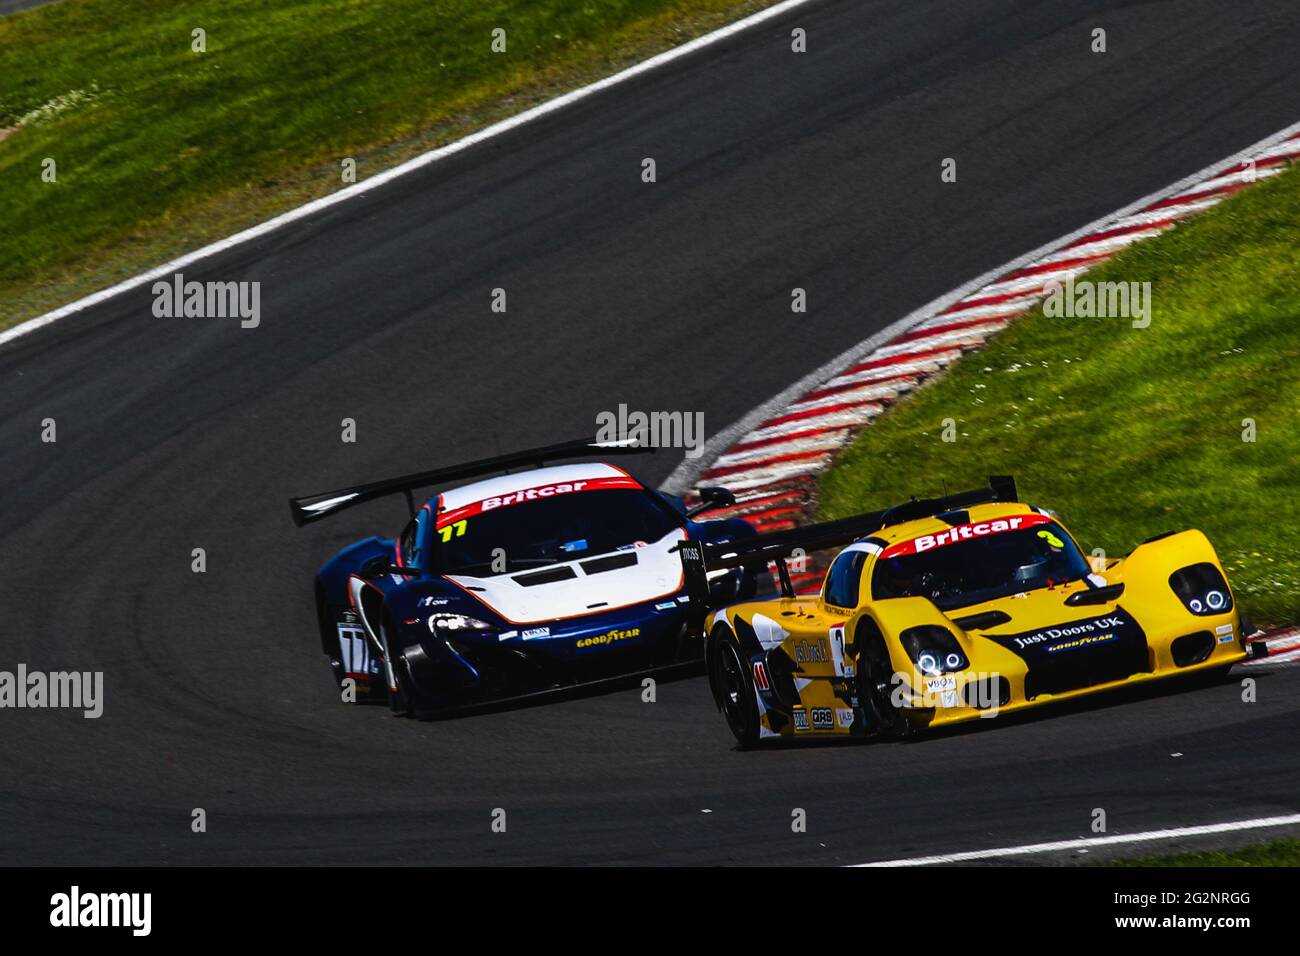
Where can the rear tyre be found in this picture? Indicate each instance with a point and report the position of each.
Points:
(734, 689)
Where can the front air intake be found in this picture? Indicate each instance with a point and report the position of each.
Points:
(550, 576)
(1192, 648)
(612, 562)
(987, 693)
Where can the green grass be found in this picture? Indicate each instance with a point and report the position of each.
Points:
(159, 149)
(1129, 432)
(1277, 853)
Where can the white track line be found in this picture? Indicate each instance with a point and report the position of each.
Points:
(419, 162)
(1086, 842)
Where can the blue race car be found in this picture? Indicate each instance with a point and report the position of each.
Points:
(526, 583)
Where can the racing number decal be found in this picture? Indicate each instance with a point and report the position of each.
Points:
(454, 530)
(837, 650)
(355, 651)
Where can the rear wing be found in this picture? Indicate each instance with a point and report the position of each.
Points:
(309, 508)
(701, 558)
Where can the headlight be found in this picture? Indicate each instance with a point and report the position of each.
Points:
(1202, 589)
(934, 650)
(456, 622)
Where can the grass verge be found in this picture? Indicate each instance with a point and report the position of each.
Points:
(159, 149)
(1277, 853)
(1130, 432)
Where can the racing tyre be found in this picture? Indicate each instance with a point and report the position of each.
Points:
(398, 700)
(875, 684)
(734, 688)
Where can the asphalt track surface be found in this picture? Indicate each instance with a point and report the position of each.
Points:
(775, 171)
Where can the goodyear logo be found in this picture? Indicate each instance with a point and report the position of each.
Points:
(1081, 642)
(610, 637)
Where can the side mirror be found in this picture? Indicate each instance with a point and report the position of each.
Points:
(380, 565)
(711, 498)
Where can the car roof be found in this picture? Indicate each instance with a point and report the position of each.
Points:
(521, 480)
(907, 530)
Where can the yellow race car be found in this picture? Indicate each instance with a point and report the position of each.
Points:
(943, 610)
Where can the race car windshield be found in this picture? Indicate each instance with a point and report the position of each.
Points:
(981, 567)
(547, 531)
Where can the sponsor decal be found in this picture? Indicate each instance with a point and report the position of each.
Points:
(1078, 642)
(964, 532)
(1079, 654)
(533, 633)
(940, 691)
(937, 685)
(760, 676)
(689, 551)
(800, 719)
(1092, 628)
(609, 637)
(666, 606)
(506, 635)
(823, 718)
(432, 601)
(533, 494)
(845, 716)
(811, 652)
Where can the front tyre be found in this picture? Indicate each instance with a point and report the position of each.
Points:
(734, 690)
(875, 687)
(399, 700)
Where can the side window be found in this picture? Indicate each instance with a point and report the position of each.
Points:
(408, 543)
(843, 578)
